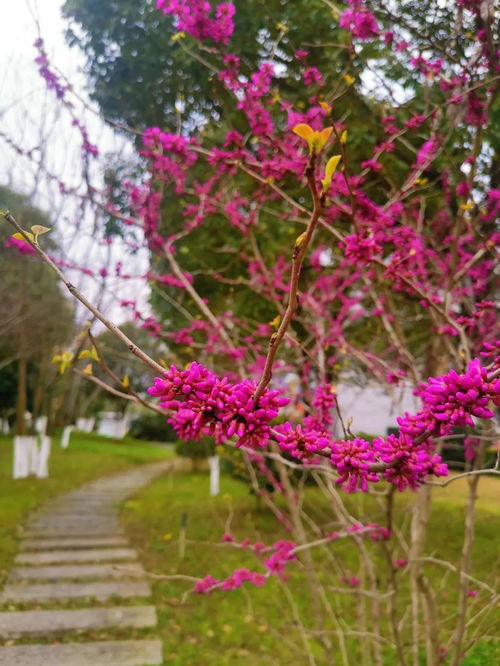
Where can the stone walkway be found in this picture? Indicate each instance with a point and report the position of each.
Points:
(75, 550)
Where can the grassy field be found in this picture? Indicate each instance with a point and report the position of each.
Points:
(256, 626)
(86, 458)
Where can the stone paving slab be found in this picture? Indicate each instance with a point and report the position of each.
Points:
(77, 528)
(55, 621)
(73, 514)
(58, 544)
(88, 555)
(71, 532)
(52, 592)
(61, 572)
(74, 518)
(100, 653)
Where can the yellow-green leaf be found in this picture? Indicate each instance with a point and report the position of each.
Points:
(22, 237)
(177, 36)
(330, 169)
(300, 239)
(39, 229)
(322, 138)
(303, 130)
(64, 361)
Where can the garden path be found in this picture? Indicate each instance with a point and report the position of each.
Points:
(74, 567)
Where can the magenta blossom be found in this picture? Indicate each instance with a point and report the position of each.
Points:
(22, 246)
(300, 442)
(353, 458)
(193, 17)
(455, 398)
(359, 21)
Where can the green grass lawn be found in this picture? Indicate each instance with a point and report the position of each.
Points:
(256, 626)
(87, 457)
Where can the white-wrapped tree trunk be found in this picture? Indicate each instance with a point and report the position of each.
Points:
(112, 424)
(42, 469)
(214, 461)
(41, 425)
(24, 448)
(65, 436)
(85, 425)
(31, 456)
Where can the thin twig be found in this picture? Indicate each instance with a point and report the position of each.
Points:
(133, 348)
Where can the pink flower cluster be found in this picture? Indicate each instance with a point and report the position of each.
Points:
(51, 79)
(492, 352)
(300, 442)
(361, 248)
(455, 399)
(193, 17)
(275, 565)
(169, 155)
(323, 403)
(426, 153)
(359, 21)
(21, 245)
(353, 581)
(204, 403)
(282, 555)
(312, 76)
(407, 463)
(282, 552)
(353, 459)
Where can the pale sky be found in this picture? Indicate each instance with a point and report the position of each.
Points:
(32, 119)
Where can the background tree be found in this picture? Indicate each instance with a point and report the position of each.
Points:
(36, 319)
(363, 80)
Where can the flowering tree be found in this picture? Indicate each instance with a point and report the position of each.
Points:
(375, 260)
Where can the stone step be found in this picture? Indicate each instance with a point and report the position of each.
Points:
(73, 514)
(57, 544)
(61, 572)
(57, 520)
(100, 653)
(88, 555)
(64, 591)
(55, 621)
(74, 528)
(70, 532)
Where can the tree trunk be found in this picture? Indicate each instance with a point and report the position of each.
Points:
(22, 390)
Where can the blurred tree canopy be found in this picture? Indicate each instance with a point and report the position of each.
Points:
(142, 75)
